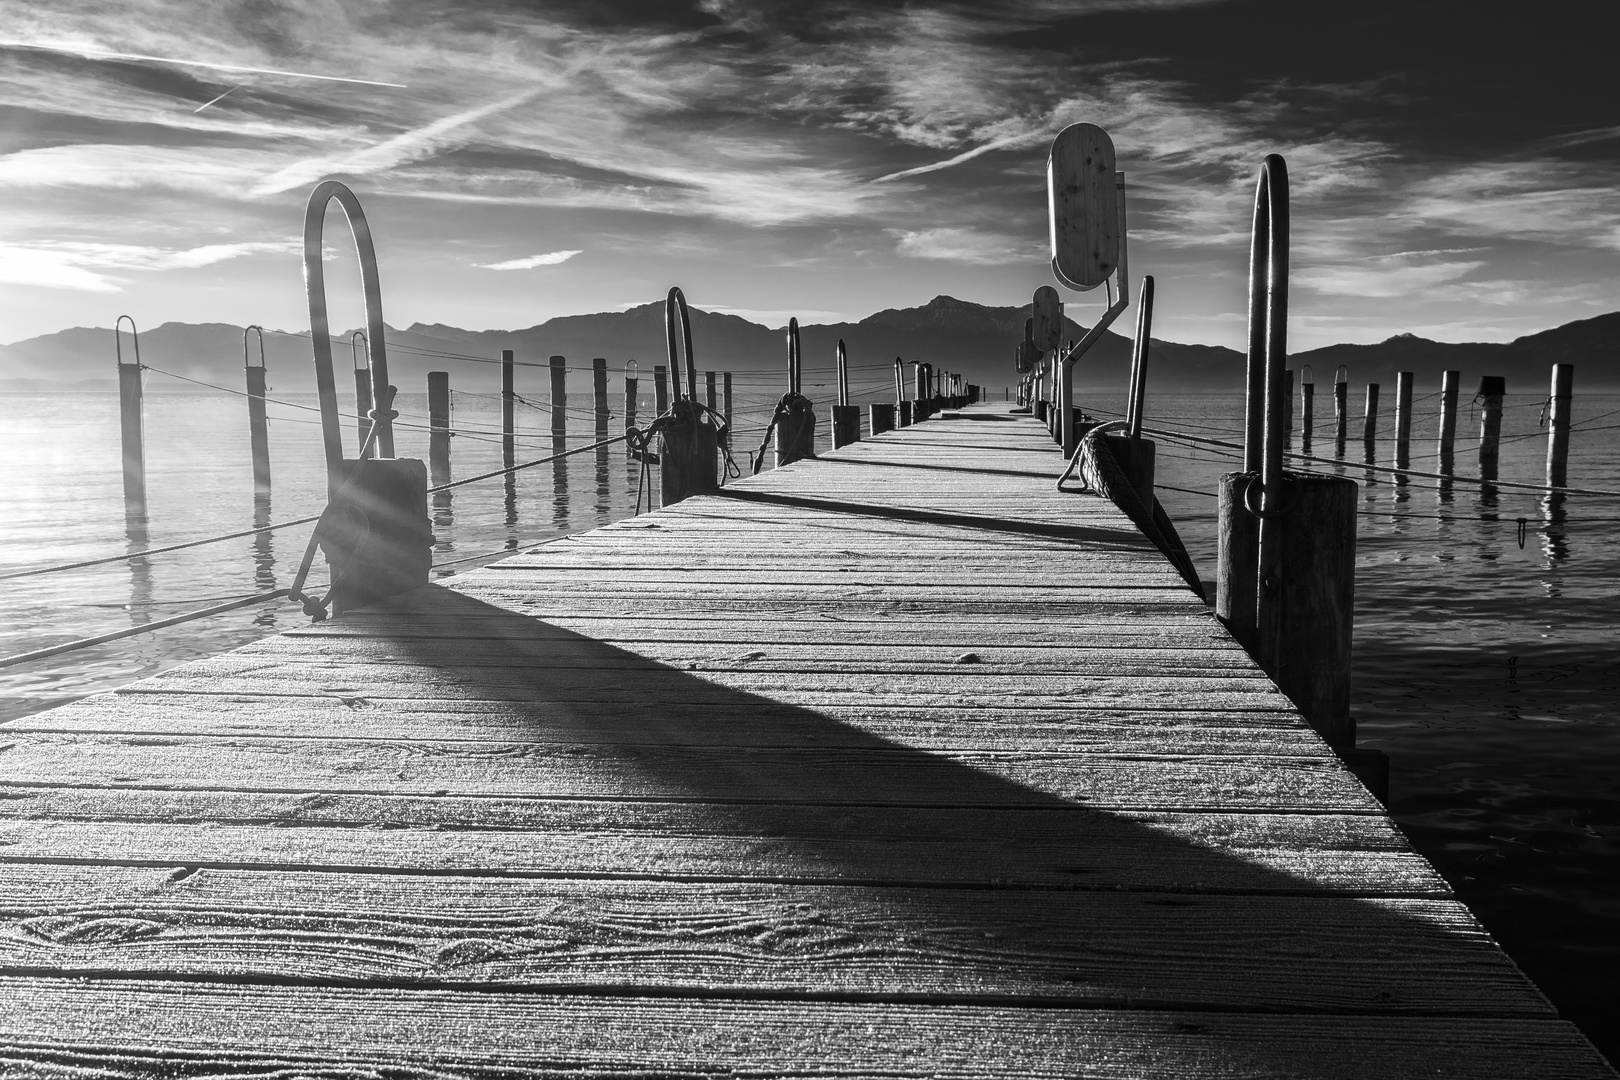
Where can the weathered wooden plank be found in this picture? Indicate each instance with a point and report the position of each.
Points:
(1047, 847)
(882, 774)
(1263, 954)
(1249, 734)
(59, 1027)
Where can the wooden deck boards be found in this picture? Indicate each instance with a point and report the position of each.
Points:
(895, 763)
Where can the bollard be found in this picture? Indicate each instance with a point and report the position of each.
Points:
(559, 402)
(131, 426)
(919, 392)
(599, 394)
(708, 390)
(688, 442)
(1492, 389)
(1369, 415)
(1136, 391)
(1341, 408)
(630, 391)
(258, 428)
(903, 418)
(376, 533)
(1448, 418)
(795, 420)
(725, 397)
(1288, 407)
(1559, 407)
(1403, 419)
(880, 416)
(508, 408)
(1307, 408)
(846, 418)
(361, 356)
(660, 390)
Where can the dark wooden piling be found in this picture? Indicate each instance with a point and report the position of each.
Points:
(710, 396)
(1492, 389)
(631, 384)
(846, 418)
(725, 397)
(1341, 409)
(1448, 419)
(438, 392)
(599, 395)
(1369, 415)
(258, 425)
(132, 428)
(688, 445)
(1558, 416)
(361, 354)
(880, 416)
(1403, 419)
(508, 408)
(1288, 406)
(559, 401)
(1307, 407)
(660, 390)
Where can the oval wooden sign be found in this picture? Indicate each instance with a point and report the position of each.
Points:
(1083, 206)
(1047, 319)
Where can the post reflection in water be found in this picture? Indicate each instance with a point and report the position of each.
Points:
(1554, 541)
(264, 559)
(559, 497)
(140, 570)
(511, 520)
(604, 489)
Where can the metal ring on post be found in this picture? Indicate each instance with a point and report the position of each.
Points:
(246, 359)
(1254, 484)
(320, 331)
(673, 303)
(118, 342)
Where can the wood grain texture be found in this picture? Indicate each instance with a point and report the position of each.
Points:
(840, 770)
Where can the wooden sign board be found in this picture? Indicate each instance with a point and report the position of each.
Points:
(1047, 323)
(1083, 206)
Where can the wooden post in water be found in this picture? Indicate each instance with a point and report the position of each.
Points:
(1307, 407)
(438, 393)
(559, 402)
(1369, 415)
(1341, 408)
(1448, 418)
(630, 392)
(599, 394)
(1492, 389)
(131, 426)
(360, 353)
(725, 397)
(846, 418)
(1558, 413)
(258, 428)
(508, 409)
(1403, 420)
(709, 397)
(660, 390)
(1288, 407)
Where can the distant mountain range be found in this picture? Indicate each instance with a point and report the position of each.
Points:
(958, 335)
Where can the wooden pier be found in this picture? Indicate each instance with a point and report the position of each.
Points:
(898, 762)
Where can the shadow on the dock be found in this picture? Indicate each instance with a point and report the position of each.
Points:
(634, 769)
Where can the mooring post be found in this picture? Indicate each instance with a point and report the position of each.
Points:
(438, 392)
(559, 402)
(846, 418)
(902, 407)
(131, 426)
(660, 390)
(258, 427)
(1558, 412)
(599, 394)
(1288, 408)
(725, 397)
(795, 418)
(1369, 415)
(1307, 407)
(361, 355)
(688, 440)
(1492, 389)
(508, 408)
(1341, 408)
(1403, 419)
(630, 391)
(1448, 419)
(709, 396)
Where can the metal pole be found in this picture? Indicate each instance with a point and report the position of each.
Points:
(1139, 359)
(1271, 219)
(360, 352)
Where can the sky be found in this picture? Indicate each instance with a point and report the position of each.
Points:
(1455, 167)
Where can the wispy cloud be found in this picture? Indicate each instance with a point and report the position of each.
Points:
(550, 258)
(103, 268)
(966, 245)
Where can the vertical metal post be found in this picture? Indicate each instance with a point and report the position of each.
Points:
(843, 373)
(258, 427)
(1271, 220)
(508, 408)
(360, 352)
(1139, 360)
(794, 370)
(1560, 407)
(132, 428)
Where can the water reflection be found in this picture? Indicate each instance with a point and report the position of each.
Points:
(1554, 540)
(141, 590)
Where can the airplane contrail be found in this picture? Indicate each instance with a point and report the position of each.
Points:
(97, 54)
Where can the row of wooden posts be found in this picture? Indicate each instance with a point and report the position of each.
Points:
(930, 391)
(1492, 390)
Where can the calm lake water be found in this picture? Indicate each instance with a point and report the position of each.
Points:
(1486, 670)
